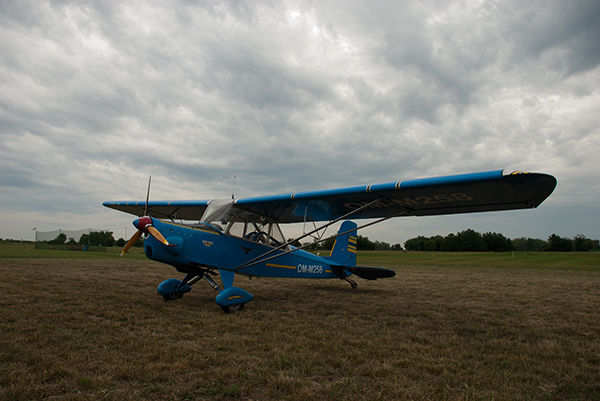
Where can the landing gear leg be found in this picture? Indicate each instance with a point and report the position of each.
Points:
(173, 289)
(352, 283)
(210, 281)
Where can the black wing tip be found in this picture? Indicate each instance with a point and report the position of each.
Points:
(534, 187)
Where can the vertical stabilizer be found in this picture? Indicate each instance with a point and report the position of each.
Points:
(344, 248)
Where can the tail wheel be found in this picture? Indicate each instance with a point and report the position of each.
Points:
(233, 308)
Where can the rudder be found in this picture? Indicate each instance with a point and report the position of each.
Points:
(344, 247)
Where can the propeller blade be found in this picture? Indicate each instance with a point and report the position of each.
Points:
(147, 197)
(134, 238)
(156, 234)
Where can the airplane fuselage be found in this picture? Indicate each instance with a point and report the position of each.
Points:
(198, 246)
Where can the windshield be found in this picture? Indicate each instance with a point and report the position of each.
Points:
(218, 214)
(225, 217)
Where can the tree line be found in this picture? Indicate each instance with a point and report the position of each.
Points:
(467, 240)
(94, 238)
(362, 243)
(470, 240)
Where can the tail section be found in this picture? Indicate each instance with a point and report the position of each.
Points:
(344, 254)
(344, 248)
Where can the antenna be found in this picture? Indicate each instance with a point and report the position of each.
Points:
(233, 190)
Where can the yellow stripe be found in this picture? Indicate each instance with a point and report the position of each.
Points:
(282, 266)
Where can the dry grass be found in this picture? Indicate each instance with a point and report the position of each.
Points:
(97, 329)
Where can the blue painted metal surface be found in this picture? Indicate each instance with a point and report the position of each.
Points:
(465, 193)
(233, 296)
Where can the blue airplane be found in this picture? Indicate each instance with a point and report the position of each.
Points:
(203, 238)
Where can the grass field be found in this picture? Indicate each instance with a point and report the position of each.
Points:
(467, 327)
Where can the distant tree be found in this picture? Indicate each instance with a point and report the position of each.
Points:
(364, 244)
(382, 246)
(59, 240)
(328, 244)
(471, 240)
(536, 244)
(318, 246)
(497, 242)
(430, 245)
(583, 244)
(523, 244)
(438, 241)
(415, 244)
(121, 242)
(467, 240)
(98, 238)
(450, 243)
(421, 243)
(559, 244)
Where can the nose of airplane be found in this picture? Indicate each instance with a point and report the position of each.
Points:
(142, 223)
(144, 226)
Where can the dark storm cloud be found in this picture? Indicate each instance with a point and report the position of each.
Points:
(566, 33)
(288, 96)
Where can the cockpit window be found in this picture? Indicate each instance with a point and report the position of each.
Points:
(267, 233)
(225, 217)
(218, 214)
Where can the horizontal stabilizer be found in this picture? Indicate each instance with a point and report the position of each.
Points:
(370, 273)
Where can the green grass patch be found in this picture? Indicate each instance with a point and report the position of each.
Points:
(520, 260)
(27, 250)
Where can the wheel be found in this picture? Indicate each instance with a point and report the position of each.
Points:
(232, 308)
(173, 296)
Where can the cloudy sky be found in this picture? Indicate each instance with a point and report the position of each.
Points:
(294, 95)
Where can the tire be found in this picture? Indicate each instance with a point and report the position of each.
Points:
(233, 308)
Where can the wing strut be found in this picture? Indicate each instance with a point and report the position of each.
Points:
(307, 212)
(258, 258)
(262, 258)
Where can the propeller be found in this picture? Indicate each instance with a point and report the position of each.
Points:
(144, 226)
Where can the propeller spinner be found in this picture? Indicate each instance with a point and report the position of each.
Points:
(144, 226)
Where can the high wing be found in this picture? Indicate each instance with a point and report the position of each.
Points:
(467, 193)
(184, 210)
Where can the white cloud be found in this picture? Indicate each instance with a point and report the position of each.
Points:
(295, 95)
